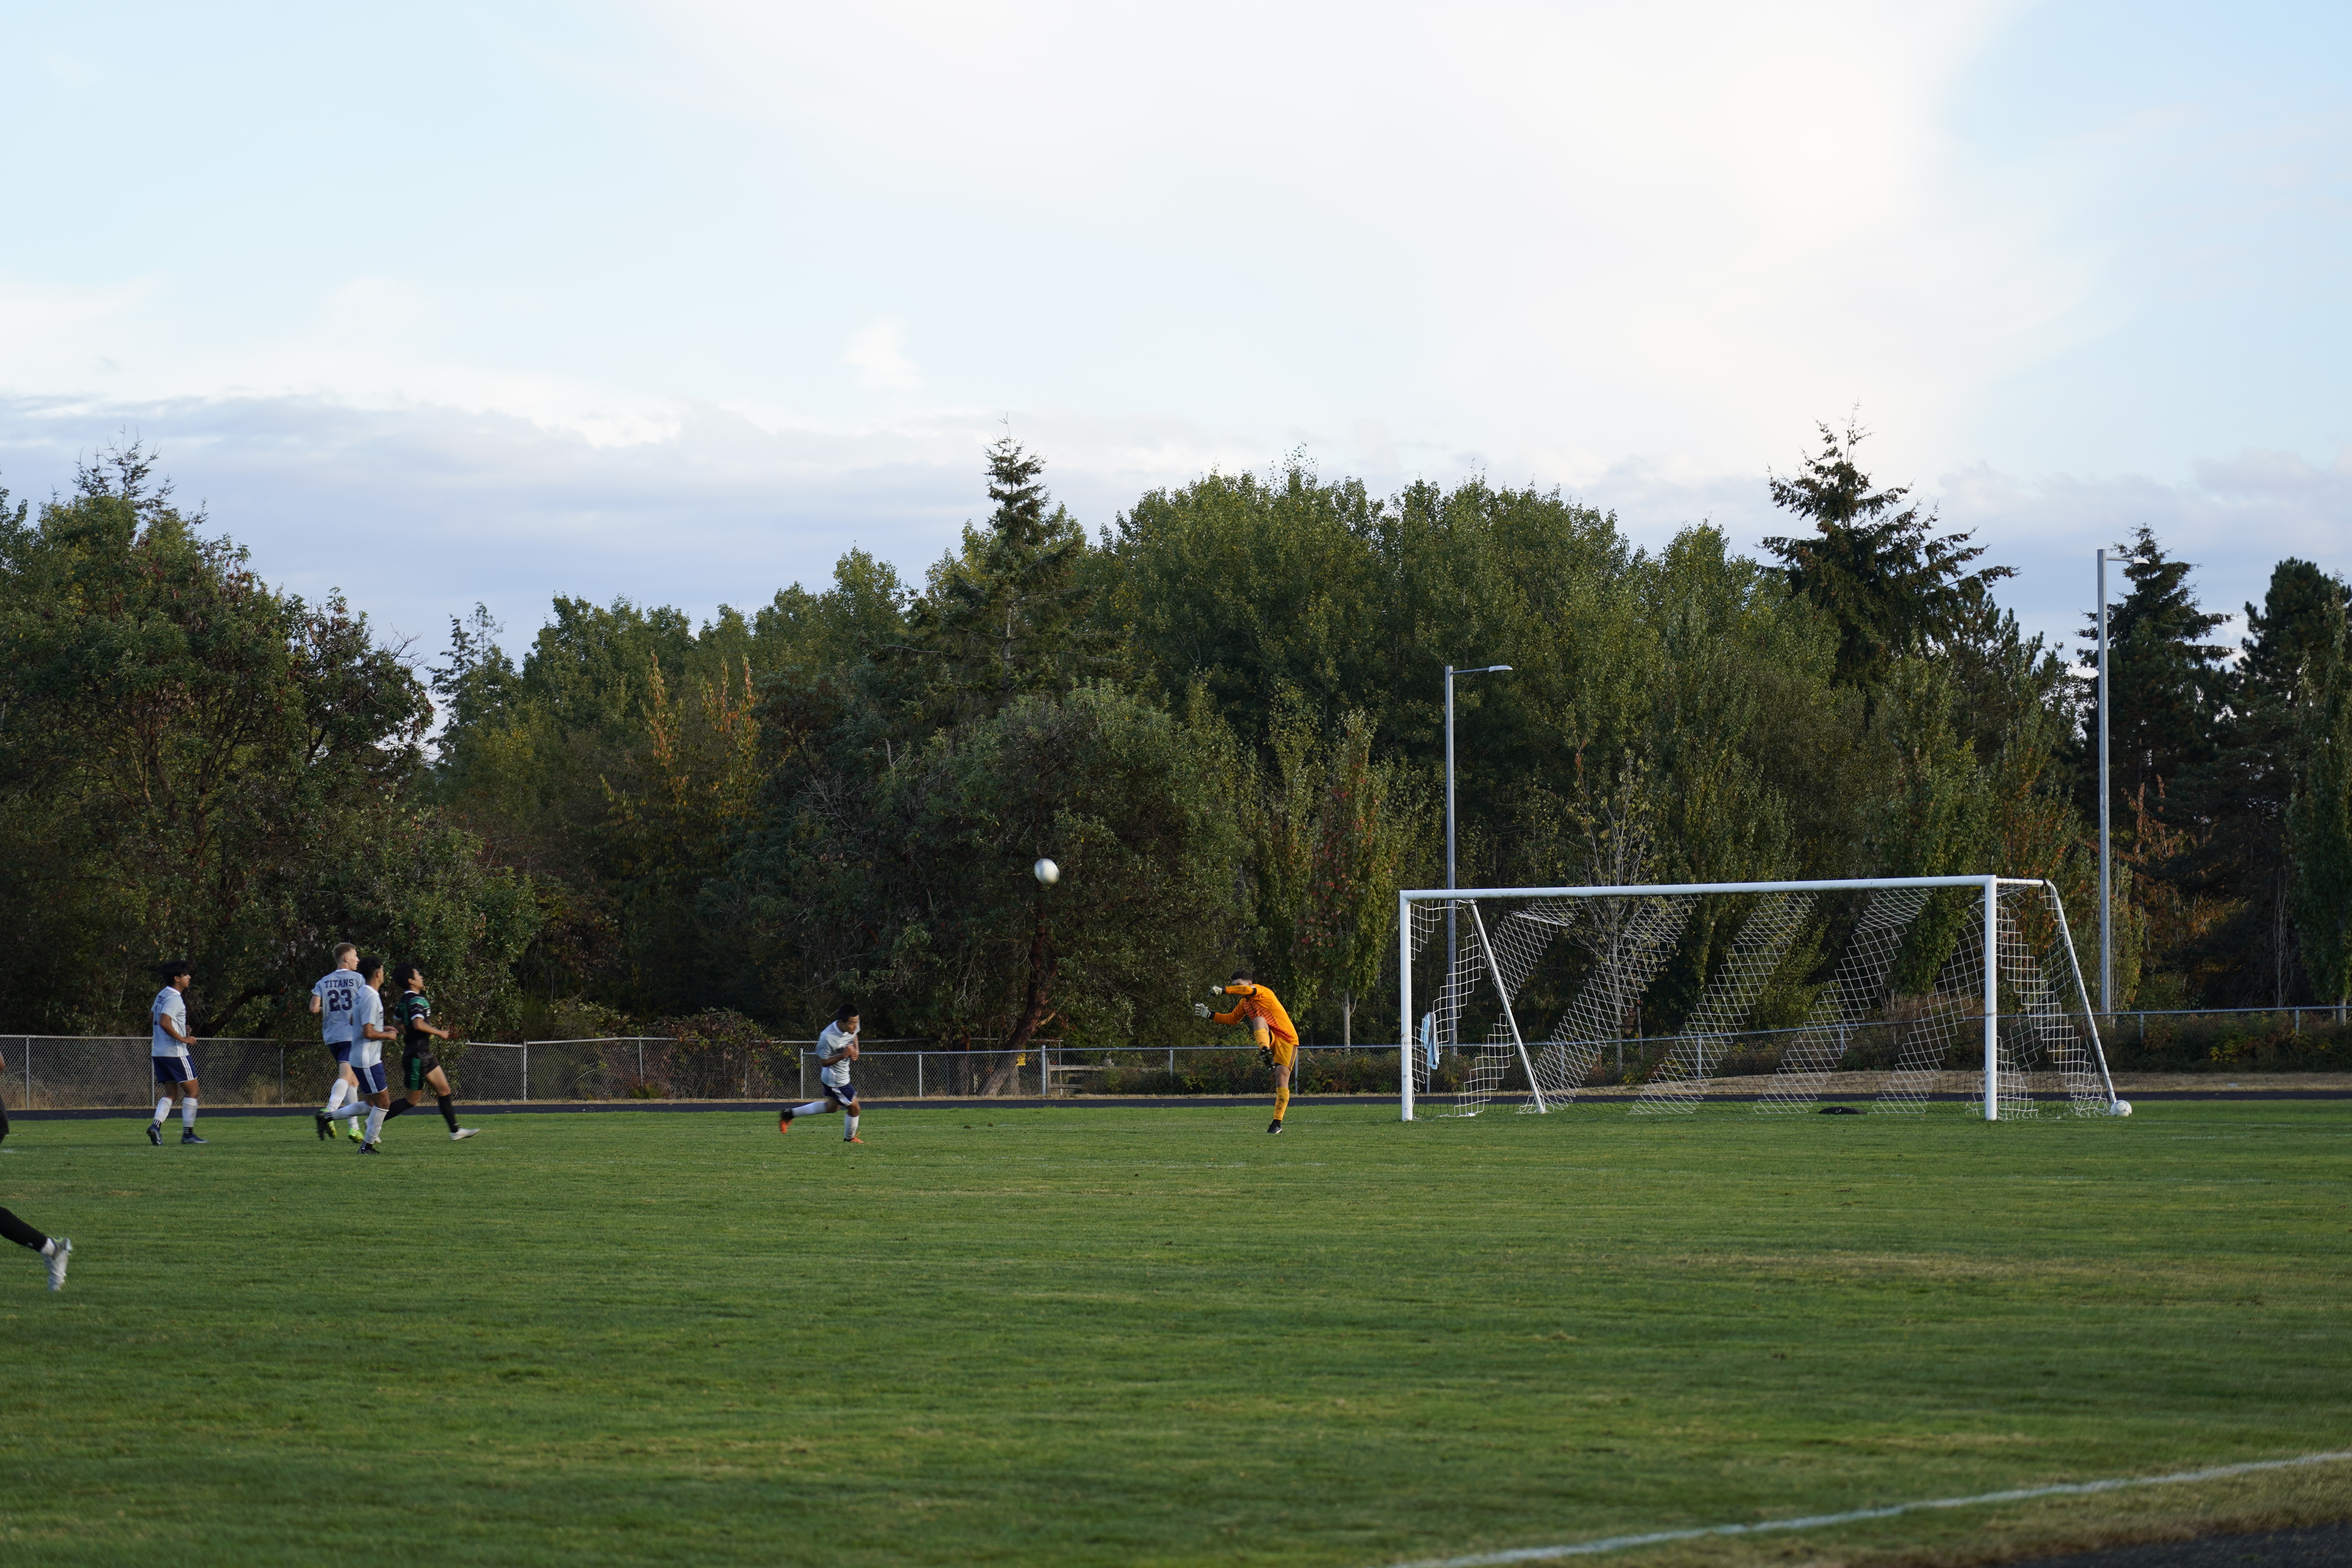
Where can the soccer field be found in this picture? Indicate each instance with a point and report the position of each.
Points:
(1158, 1336)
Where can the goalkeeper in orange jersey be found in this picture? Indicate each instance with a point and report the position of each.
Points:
(1261, 1009)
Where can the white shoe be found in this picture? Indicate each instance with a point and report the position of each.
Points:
(57, 1262)
(463, 1133)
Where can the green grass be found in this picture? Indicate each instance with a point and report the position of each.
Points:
(1155, 1336)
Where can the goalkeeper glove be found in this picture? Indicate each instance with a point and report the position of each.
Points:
(1215, 989)
(1200, 1009)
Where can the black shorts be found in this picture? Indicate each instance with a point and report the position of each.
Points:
(843, 1095)
(415, 1065)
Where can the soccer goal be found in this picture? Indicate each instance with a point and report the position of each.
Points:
(1902, 991)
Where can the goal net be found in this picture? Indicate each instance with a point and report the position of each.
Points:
(1900, 992)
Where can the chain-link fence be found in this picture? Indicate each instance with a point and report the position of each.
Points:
(61, 1072)
(57, 1072)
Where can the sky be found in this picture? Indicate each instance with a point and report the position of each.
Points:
(447, 304)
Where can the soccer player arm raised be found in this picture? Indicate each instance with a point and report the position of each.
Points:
(1202, 1010)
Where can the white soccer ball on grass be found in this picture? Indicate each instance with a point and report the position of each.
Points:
(2120, 1108)
(1046, 872)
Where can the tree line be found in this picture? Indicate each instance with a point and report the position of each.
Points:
(1220, 714)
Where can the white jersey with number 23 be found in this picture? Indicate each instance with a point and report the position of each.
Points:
(337, 994)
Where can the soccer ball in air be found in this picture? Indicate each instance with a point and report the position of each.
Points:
(2120, 1108)
(1047, 872)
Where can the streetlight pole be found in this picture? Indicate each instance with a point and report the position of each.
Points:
(1450, 673)
(2107, 896)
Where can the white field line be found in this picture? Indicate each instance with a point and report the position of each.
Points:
(2075, 1488)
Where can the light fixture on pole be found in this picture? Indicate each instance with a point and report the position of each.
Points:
(2106, 896)
(1450, 673)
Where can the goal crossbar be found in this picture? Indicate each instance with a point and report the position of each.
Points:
(1990, 886)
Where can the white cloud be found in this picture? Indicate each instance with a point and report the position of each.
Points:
(878, 354)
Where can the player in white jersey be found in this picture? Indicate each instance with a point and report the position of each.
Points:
(835, 1049)
(168, 1044)
(333, 999)
(368, 1036)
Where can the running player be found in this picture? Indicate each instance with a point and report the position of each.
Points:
(418, 1066)
(168, 1044)
(835, 1049)
(368, 1036)
(1262, 1010)
(333, 999)
(53, 1249)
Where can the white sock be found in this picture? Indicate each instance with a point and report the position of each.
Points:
(356, 1107)
(188, 1113)
(813, 1108)
(49, 1247)
(335, 1095)
(162, 1111)
(848, 1124)
(376, 1121)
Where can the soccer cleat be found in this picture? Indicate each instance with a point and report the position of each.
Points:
(190, 1137)
(359, 1134)
(857, 1141)
(370, 1149)
(463, 1133)
(57, 1262)
(1275, 1126)
(326, 1125)
(785, 1123)
(155, 1133)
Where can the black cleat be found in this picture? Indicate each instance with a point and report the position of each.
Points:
(155, 1133)
(190, 1137)
(326, 1127)
(1274, 1125)
(370, 1149)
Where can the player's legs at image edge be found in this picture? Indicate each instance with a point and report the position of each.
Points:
(845, 1097)
(53, 1249)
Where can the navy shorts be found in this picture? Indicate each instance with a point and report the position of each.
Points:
(842, 1094)
(342, 1049)
(372, 1079)
(176, 1070)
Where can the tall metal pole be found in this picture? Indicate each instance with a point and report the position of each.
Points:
(2106, 894)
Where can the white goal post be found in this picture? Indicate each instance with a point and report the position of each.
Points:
(1893, 985)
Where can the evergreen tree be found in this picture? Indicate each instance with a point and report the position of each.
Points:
(1006, 614)
(1875, 565)
(2239, 797)
(2171, 687)
(2319, 818)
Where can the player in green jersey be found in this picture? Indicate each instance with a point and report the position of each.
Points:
(419, 1069)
